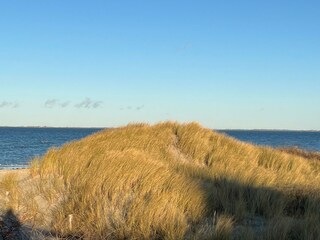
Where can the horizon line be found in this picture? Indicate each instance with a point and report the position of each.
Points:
(215, 129)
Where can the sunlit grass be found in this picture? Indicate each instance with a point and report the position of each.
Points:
(177, 181)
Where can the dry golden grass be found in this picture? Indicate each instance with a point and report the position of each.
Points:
(301, 153)
(177, 181)
(10, 191)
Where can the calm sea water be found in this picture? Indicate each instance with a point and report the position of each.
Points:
(19, 145)
(308, 140)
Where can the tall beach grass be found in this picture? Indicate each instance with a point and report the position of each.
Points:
(177, 181)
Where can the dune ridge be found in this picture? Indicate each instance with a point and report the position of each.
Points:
(169, 181)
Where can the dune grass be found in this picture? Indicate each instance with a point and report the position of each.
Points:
(177, 181)
(302, 153)
(11, 192)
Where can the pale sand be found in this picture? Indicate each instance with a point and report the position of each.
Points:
(22, 174)
(24, 231)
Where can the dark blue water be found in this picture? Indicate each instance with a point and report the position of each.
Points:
(20, 145)
(307, 140)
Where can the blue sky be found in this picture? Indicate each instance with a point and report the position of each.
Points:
(226, 64)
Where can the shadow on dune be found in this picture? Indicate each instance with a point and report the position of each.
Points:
(294, 211)
(246, 203)
(11, 228)
(251, 206)
(224, 195)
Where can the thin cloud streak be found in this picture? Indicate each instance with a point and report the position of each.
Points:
(50, 103)
(97, 104)
(64, 104)
(137, 108)
(88, 103)
(7, 104)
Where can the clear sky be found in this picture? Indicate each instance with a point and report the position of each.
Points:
(226, 64)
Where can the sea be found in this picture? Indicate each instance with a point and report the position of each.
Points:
(18, 146)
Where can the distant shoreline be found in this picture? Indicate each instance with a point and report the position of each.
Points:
(13, 167)
(266, 130)
(219, 130)
(45, 127)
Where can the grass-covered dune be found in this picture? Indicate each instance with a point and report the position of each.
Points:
(173, 181)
